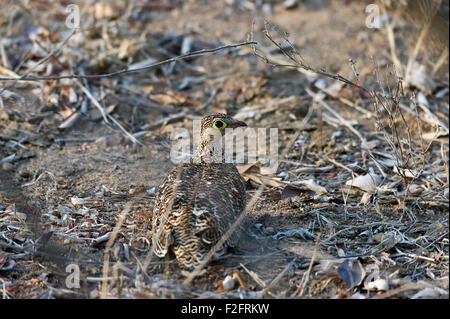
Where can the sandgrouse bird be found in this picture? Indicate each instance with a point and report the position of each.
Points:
(199, 201)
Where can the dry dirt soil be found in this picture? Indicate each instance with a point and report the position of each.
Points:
(81, 193)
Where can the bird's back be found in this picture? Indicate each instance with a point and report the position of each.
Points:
(195, 206)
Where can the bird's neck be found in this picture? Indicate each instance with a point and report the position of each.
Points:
(210, 151)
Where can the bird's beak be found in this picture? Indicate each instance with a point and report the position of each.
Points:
(238, 124)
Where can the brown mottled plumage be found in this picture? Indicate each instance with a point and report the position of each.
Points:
(198, 201)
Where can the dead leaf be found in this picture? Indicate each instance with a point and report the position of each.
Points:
(379, 284)
(431, 293)
(264, 180)
(384, 257)
(312, 185)
(244, 168)
(70, 120)
(341, 249)
(417, 77)
(352, 272)
(406, 172)
(441, 135)
(388, 239)
(307, 251)
(291, 191)
(365, 199)
(103, 10)
(170, 97)
(275, 195)
(415, 190)
(7, 72)
(367, 183)
(95, 115)
(8, 159)
(301, 232)
(143, 64)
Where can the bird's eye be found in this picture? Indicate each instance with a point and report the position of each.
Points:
(219, 124)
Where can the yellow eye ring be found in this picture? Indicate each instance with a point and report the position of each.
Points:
(219, 124)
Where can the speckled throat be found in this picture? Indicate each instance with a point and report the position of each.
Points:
(210, 150)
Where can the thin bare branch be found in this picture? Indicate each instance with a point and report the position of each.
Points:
(128, 71)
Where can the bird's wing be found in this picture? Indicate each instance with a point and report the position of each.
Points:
(219, 200)
(162, 236)
(173, 206)
(202, 200)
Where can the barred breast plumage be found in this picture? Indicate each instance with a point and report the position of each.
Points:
(198, 201)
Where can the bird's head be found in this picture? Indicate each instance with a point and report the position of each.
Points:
(220, 122)
(213, 128)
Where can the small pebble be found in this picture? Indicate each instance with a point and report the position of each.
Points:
(267, 9)
(290, 4)
(24, 174)
(228, 283)
(151, 191)
(270, 230)
(7, 166)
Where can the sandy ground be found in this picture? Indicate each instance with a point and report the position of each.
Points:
(60, 196)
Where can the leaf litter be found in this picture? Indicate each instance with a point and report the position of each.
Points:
(73, 156)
